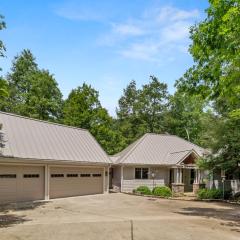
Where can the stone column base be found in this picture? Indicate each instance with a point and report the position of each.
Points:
(177, 189)
(197, 186)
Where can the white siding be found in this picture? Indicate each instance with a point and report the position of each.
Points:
(130, 185)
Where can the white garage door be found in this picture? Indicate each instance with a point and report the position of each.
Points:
(72, 181)
(18, 183)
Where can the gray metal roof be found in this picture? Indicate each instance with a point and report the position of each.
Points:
(34, 139)
(157, 149)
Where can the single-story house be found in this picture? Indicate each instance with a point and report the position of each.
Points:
(42, 160)
(158, 159)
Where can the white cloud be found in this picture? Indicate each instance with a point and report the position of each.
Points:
(128, 29)
(156, 36)
(167, 14)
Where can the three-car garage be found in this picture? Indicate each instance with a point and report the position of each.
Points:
(29, 183)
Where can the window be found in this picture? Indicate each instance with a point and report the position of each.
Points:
(57, 175)
(96, 174)
(141, 173)
(72, 175)
(8, 175)
(85, 175)
(31, 175)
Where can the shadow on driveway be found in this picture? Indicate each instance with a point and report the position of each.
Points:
(8, 219)
(231, 216)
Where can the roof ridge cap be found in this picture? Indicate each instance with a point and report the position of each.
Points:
(189, 142)
(181, 151)
(43, 121)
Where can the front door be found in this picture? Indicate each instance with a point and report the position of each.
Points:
(188, 179)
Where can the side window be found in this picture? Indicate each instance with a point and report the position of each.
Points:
(144, 173)
(138, 173)
(141, 173)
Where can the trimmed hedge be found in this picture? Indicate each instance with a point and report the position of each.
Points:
(145, 190)
(212, 194)
(162, 191)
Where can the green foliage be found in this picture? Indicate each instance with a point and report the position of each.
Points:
(3, 89)
(142, 110)
(2, 26)
(162, 191)
(145, 190)
(213, 194)
(209, 194)
(184, 117)
(129, 121)
(153, 101)
(32, 92)
(215, 77)
(215, 50)
(82, 109)
(226, 154)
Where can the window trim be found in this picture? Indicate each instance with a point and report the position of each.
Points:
(141, 173)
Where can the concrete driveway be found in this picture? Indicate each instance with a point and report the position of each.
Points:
(120, 216)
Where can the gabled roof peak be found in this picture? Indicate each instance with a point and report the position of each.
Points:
(153, 148)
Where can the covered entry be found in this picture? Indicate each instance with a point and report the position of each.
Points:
(75, 181)
(21, 183)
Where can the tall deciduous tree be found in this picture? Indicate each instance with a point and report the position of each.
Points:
(142, 110)
(184, 116)
(153, 101)
(129, 121)
(215, 76)
(83, 109)
(216, 53)
(32, 92)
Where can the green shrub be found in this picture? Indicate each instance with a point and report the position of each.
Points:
(144, 190)
(162, 191)
(213, 194)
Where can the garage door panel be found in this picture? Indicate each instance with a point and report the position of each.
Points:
(75, 182)
(20, 188)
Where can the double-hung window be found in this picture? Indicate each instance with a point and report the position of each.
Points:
(141, 173)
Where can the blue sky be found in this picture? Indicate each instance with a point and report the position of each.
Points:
(103, 43)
